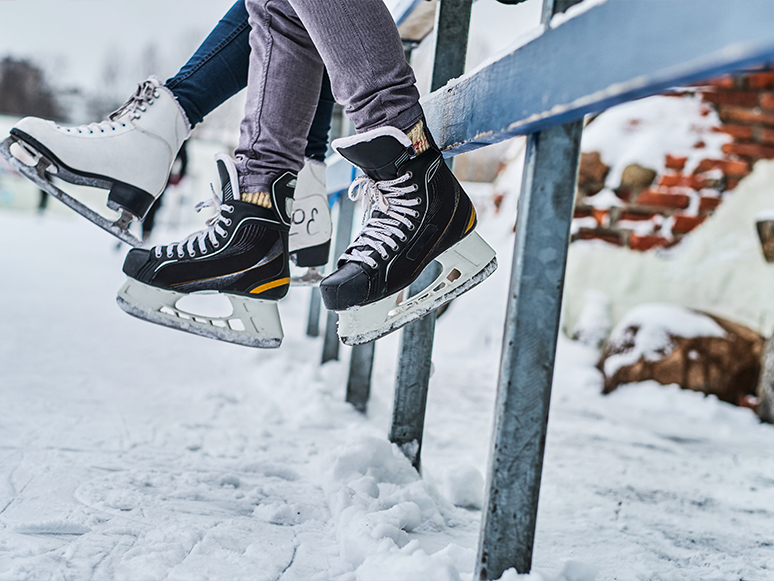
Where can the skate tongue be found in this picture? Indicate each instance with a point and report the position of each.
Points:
(379, 153)
(229, 182)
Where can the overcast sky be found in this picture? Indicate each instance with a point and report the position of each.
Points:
(75, 39)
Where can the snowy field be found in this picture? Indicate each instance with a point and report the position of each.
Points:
(130, 451)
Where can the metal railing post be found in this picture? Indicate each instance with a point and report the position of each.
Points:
(343, 238)
(315, 304)
(415, 360)
(529, 348)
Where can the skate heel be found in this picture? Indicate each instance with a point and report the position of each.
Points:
(463, 266)
(252, 322)
(130, 198)
(312, 256)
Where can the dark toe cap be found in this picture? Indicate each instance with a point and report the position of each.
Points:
(345, 288)
(135, 260)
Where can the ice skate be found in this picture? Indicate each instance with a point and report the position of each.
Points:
(310, 228)
(417, 213)
(130, 154)
(242, 256)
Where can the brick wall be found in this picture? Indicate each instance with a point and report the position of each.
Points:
(655, 210)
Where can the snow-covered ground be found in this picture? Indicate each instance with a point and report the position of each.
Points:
(129, 451)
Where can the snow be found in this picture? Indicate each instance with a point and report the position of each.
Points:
(719, 268)
(131, 451)
(648, 330)
(645, 131)
(574, 11)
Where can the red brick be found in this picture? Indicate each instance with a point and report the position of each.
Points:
(731, 183)
(633, 216)
(605, 235)
(582, 212)
(736, 131)
(767, 100)
(766, 136)
(684, 224)
(734, 167)
(743, 115)
(706, 165)
(709, 203)
(738, 98)
(599, 215)
(751, 150)
(726, 81)
(646, 242)
(764, 80)
(695, 182)
(663, 199)
(674, 162)
(671, 180)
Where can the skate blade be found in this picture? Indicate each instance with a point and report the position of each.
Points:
(37, 174)
(464, 265)
(252, 323)
(311, 277)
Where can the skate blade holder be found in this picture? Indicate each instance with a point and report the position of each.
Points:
(463, 266)
(311, 277)
(247, 321)
(38, 169)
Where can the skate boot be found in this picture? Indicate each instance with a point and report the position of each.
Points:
(310, 227)
(417, 213)
(242, 256)
(130, 154)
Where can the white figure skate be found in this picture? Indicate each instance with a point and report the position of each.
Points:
(310, 227)
(130, 154)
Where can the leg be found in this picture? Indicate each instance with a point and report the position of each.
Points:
(418, 211)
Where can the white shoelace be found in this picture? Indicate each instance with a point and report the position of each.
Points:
(389, 198)
(213, 230)
(138, 103)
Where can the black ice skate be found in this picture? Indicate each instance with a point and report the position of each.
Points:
(130, 154)
(243, 256)
(418, 213)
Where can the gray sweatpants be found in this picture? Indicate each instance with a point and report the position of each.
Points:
(291, 42)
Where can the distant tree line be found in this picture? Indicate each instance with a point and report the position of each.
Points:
(24, 91)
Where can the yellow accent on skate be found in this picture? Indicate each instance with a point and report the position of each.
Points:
(270, 285)
(472, 220)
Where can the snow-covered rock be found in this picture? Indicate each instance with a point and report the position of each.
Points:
(672, 344)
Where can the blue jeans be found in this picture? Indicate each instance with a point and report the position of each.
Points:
(218, 70)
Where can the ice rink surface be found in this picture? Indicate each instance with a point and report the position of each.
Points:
(130, 451)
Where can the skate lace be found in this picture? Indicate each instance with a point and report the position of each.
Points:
(384, 229)
(199, 239)
(136, 105)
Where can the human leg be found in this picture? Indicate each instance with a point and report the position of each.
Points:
(418, 212)
(107, 155)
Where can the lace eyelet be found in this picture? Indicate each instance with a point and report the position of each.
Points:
(216, 244)
(411, 227)
(416, 187)
(409, 174)
(228, 222)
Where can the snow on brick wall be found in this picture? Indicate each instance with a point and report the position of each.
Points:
(655, 169)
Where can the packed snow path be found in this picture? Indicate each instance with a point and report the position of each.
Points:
(130, 451)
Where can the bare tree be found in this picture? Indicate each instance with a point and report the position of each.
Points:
(24, 90)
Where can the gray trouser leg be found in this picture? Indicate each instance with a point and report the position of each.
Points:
(290, 40)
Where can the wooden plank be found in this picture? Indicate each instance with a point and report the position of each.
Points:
(615, 52)
(420, 22)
